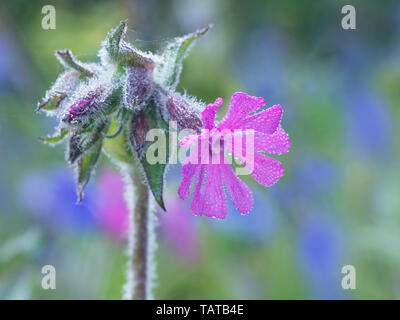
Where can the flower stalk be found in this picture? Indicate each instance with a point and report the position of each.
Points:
(141, 237)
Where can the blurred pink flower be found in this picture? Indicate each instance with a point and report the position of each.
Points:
(209, 196)
(179, 230)
(113, 213)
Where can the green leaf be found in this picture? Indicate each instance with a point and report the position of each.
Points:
(143, 121)
(51, 103)
(114, 39)
(174, 54)
(155, 179)
(56, 138)
(69, 61)
(120, 51)
(116, 145)
(85, 166)
(117, 124)
(65, 83)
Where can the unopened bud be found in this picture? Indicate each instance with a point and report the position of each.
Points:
(86, 106)
(138, 85)
(184, 112)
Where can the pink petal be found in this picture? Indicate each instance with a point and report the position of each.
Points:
(266, 121)
(208, 114)
(241, 106)
(278, 142)
(264, 169)
(267, 170)
(240, 193)
(188, 140)
(211, 199)
(197, 205)
(188, 170)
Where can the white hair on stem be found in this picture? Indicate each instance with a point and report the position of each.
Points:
(142, 237)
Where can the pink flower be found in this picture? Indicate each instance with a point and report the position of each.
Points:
(113, 212)
(210, 177)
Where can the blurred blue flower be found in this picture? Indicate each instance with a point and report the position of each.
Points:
(320, 253)
(396, 17)
(354, 58)
(262, 65)
(15, 71)
(369, 123)
(192, 14)
(4, 205)
(315, 175)
(50, 197)
(6, 60)
(310, 183)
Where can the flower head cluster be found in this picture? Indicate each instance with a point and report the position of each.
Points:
(112, 104)
(105, 106)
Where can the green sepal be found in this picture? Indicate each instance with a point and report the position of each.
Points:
(116, 145)
(55, 138)
(143, 121)
(51, 103)
(155, 179)
(121, 52)
(117, 124)
(114, 39)
(173, 55)
(67, 59)
(85, 166)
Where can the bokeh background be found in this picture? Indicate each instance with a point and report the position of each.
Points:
(338, 203)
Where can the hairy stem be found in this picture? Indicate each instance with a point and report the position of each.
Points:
(141, 246)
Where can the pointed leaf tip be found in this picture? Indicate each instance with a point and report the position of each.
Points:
(122, 52)
(161, 204)
(56, 138)
(85, 167)
(79, 194)
(67, 59)
(204, 30)
(175, 53)
(51, 103)
(155, 178)
(115, 36)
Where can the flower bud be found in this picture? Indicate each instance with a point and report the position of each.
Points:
(140, 127)
(186, 113)
(138, 86)
(84, 107)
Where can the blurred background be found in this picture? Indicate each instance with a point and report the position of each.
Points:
(338, 203)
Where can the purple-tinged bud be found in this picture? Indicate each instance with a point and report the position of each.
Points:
(184, 112)
(140, 127)
(86, 106)
(138, 86)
